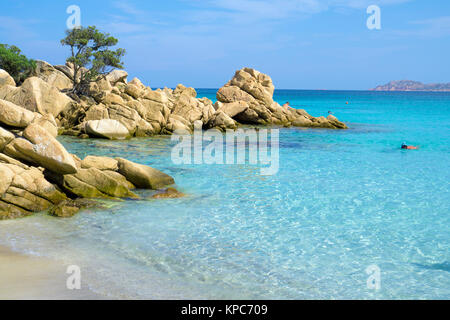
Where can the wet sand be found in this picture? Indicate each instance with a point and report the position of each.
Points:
(34, 278)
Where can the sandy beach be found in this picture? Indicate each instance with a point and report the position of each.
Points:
(25, 277)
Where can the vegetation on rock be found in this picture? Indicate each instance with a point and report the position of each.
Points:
(91, 56)
(16, 64)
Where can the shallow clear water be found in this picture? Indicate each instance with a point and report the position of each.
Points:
(341, 201)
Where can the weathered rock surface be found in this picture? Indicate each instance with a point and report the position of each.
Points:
(15, 116)
(106, 128)
(221, 121)
(116, 76)
(43, 149)
(143, 176)
(24, 190)
(5, 138)
(68, 208)
(38, 96)
(6, 79)
(52, 76)
(101, 163)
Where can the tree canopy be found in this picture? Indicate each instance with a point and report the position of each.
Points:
(91, 55)
(16, 64)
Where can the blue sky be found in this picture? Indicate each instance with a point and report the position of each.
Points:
(304, 44)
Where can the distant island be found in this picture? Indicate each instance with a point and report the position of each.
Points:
(410, 85)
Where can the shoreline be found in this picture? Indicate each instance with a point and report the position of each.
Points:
(25, 277)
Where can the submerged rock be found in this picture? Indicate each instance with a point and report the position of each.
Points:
(169, 193)
(68, 208)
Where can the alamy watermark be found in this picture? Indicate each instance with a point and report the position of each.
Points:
(374, 279)
(74, 20)
(73, 282)
(232, 147)
(374, 20)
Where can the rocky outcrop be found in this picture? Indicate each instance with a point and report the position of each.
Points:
(24, 189)
(248, 99)
(113, 104)
(37, 173)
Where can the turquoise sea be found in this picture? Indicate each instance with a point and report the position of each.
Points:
(341, 202)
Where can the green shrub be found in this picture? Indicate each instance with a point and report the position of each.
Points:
(16, 64)
(91, 56)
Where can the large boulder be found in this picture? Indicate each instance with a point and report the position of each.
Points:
(101, 163)
(15, 116)
(38, 96)
(143, 176)
(221, 121)
(24, 190)
(117, 76)
(106, 128)
(229, 93)
(52, 76)
(5, 138)
(41, 149)
(104, 183)
(192, 109)
(233, 108)
(92, 183)
(6, 79)
(125, 115)
(47, 122)
(134, 91)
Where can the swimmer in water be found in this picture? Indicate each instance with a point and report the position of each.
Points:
(406, 147)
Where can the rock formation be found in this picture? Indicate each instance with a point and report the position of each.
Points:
(114, 105)
(248, 99)
(37, 173)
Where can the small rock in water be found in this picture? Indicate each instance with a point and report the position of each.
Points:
(169, 193)
(68, 208)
